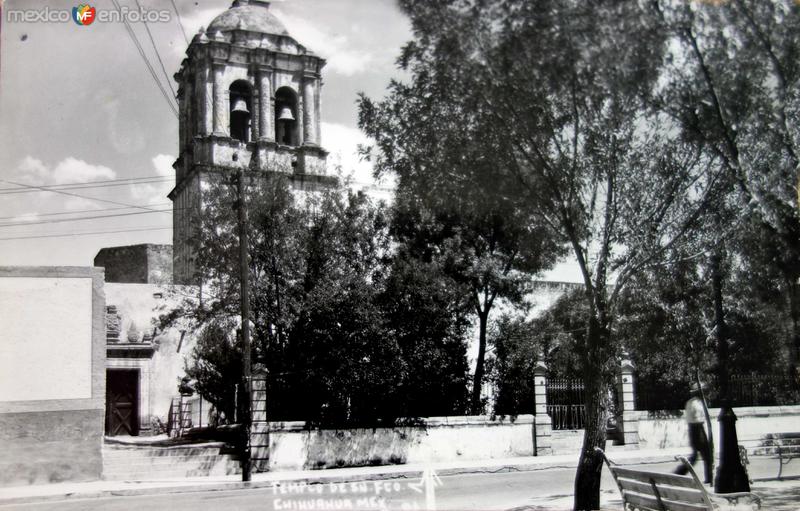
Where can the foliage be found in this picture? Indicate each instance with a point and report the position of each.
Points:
(348, 334)
(556, 96)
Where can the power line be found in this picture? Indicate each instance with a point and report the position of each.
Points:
(153, 176)
(142, 53)
(116, 203)
(155, 49)
(180, 23)
(14, 191)
(67, 235)
(76, 211)
(94, 217)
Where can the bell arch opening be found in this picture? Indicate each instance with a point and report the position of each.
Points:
(241, 104)
(286, 125)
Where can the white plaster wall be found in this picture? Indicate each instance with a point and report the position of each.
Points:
(752, 424)
(444, 439)
(45, 338)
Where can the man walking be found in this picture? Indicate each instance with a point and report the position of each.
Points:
(695, 416)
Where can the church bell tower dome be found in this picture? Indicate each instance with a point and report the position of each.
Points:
(251, 15)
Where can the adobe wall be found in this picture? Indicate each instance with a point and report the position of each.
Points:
(52, 374)
(137, 264)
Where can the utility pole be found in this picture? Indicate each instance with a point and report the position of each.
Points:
(245, 312)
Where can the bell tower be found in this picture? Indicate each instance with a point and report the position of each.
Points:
(249, 97)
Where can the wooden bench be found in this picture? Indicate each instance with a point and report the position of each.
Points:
(656, 491)
(785, 445)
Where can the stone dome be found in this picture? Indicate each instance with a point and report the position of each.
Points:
(252, 15)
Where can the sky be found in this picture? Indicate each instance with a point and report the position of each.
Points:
(78, 105)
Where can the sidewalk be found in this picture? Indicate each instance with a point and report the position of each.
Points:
(58, 491)
(775, 496)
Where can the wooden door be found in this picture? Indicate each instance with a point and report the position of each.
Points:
(122, 402)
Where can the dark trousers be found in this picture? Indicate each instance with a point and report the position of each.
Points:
(699, 444)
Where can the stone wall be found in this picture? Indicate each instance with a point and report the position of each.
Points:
(435, 440)
(52, 353)
(137, 264)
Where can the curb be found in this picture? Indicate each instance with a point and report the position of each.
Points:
(321, 478)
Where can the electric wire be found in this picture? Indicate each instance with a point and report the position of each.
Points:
(83, 187)
(70, 194)
(67, 235)
(77, 211)
(142, 53)
(155, 49)
(180, 23)
(47, 185)
(77, 219)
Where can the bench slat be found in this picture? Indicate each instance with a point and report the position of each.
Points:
(688, 495)
(646, 502)
(658, 477)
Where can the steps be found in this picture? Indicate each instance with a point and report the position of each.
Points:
(151, 462)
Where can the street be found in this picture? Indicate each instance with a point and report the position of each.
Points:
(484, 491)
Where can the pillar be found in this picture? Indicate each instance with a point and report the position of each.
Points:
(204, 88)
(219, 107)
(542, 425)
(259, 429)
(628, 420)
(309, 115)
(265, 129)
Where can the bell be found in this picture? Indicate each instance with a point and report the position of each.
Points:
(286, 114)
(240, 106)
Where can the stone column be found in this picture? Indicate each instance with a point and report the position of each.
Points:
(259, 429)
(266, 130)
(309, 115)
(220, 106)
(629, 423)
(204, 89)
(542, 425)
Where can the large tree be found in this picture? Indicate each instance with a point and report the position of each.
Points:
(562, 87)
(732, 84)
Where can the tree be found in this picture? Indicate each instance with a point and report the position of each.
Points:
(490, 250)
(562, 88)
(334, 316)
(733, 87)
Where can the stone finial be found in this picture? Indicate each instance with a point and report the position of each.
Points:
(540, 367)
(218, 36)
(203, 38)
(625, 363)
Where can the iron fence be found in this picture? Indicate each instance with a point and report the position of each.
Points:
(763, 390)
(565, 404)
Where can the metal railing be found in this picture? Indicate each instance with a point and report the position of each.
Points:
(565, 404)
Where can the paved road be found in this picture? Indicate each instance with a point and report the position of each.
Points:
(485, 491)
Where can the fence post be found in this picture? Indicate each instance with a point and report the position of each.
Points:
(542, 424)
(629, 423)
(259, 429)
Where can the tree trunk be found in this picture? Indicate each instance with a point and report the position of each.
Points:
(587, 478)
(477, 383)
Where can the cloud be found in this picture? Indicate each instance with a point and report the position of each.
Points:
(342, 142)
(69, 170)
(156, 193)
(340, 52)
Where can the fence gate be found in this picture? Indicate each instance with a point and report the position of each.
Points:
(565, 404)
